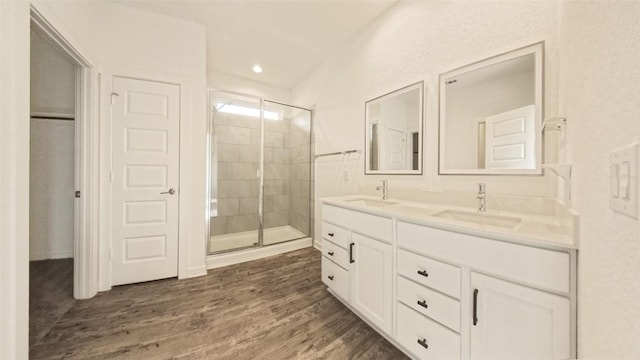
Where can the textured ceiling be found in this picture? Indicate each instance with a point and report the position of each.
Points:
(287, 38)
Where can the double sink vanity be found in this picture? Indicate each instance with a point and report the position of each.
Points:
(446, 282)
(439, 277)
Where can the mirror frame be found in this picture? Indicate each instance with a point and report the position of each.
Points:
(537, 49)
(367, 132)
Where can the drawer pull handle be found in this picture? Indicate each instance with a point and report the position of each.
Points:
(423, 273)
(330, 277)
(475, 307)
(330, 253)
(330, 234)
(423, 303)
(423, 342)
(351, 261)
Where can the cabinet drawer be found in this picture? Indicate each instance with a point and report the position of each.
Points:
(375, 226)
(441, 342)
(336, 234)
(432, 273)
(336, 278)
(335, 253)
(532, 266)
(439, 307)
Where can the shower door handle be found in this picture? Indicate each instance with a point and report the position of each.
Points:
(170, 192)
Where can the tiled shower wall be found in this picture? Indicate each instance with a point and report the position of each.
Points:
(236, 153)
(235, 162)
(300, 145)
(277, 172)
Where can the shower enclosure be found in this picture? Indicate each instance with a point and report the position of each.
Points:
(260, 188)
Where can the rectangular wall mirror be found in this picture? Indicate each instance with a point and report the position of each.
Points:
(491, 113)
(393, 143)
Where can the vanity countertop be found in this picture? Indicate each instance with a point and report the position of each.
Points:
(547, 231)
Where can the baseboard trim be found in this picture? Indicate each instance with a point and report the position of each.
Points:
(195, 272)
(220, 260)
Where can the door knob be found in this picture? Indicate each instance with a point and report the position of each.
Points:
(170, 192)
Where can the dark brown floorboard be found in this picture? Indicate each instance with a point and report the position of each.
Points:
(50, 295)
(273, 308)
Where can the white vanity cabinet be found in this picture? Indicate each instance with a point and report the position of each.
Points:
(511, 321)
(371, 277)
(515, 300)
(447, 294)
(357, 246)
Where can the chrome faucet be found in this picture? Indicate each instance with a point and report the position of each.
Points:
(384, 189)
(482, 196)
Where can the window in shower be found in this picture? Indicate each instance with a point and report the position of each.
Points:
(259, 172)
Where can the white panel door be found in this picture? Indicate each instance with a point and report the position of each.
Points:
(511, 139)
(516, 322)
(371, 274)
(145, 155)
(395, 150)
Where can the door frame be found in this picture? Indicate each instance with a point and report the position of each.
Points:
(85, 249)
(106, 76)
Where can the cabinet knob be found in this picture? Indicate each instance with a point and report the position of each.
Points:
(330, 234)
(423, 303)
(330, 253)
(423, 273)
(423, 342)
(330, 277)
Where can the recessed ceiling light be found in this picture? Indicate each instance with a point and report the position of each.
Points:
(257, 69)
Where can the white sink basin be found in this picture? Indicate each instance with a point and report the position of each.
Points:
(411, 210)
(372, 202)
(508, 222)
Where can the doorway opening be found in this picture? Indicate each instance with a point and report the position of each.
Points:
(51, 185)
(63, 259)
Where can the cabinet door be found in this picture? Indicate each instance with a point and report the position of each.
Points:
(371, 280)
(511, 321)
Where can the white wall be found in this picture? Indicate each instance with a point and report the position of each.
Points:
(416, 41)
(14, 180)
(52, 79)
(599, 87)
(222, 81)
(122, 39)
(51, 188)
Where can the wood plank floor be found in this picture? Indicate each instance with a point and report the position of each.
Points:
(273, 308)
(50, 295)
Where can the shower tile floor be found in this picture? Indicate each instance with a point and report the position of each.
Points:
(239, 240)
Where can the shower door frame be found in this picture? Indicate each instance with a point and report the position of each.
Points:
(210, 132)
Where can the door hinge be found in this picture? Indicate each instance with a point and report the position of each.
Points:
(77, 193)
(113, 97)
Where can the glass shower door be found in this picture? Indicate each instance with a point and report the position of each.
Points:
(235, 153)
(259, 172)
(287, 172)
